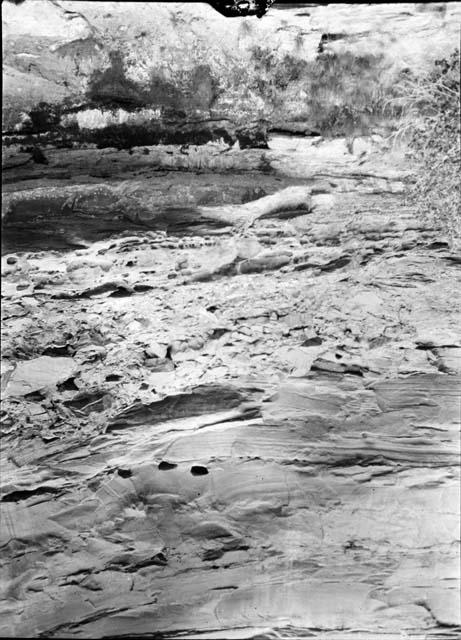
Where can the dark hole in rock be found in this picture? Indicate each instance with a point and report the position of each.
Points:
(34, 396)
(58, 350)
(113, 377)
(11, 260)
(142, 287)
(130, 263)
(198, 470)
(124, 473)
(17, 496)
(161, 559)
(217, 333)
(120, 292)
(312, 342)
(330, 37)
(68, 385)
(166, 466)
(438, 245)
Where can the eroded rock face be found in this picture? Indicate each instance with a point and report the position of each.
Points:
(113, 74)
(82, 195)
(273, 449)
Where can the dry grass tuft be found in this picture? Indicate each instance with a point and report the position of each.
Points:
(431, 127)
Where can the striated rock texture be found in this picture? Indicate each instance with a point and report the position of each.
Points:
(269, 451)
(81, 195)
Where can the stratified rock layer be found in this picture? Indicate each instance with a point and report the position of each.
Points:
(271, 448)
(113, 73)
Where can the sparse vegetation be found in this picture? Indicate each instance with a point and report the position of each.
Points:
(276, 71)
(337, 94)
(347, 94)
(431, 127)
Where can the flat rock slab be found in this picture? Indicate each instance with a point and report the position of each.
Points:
(275, 449)
(39, 374)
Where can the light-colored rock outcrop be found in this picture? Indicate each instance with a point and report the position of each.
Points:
(58, 50)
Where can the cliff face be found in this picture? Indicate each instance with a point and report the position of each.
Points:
(99, 63)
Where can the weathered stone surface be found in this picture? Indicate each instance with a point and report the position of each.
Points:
(211, 431)
(134, 59)
(291, 200)
(38, 374)
(231, 440)
(171, 190)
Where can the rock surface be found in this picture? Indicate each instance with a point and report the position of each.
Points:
(215, 425)
(101, 68)
(270, 450)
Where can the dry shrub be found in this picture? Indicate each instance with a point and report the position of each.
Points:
(346, 93)
(431, 128)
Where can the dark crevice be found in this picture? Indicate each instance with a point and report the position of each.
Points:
(198, 470)
(218, 333)
(312, 342)
(124, 473)
(24, 494)
(166, 466)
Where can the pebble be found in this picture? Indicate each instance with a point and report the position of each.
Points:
(182, 263)
(196, 343)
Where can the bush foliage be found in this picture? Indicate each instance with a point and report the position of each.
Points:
(337, 94)
(432, 131)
